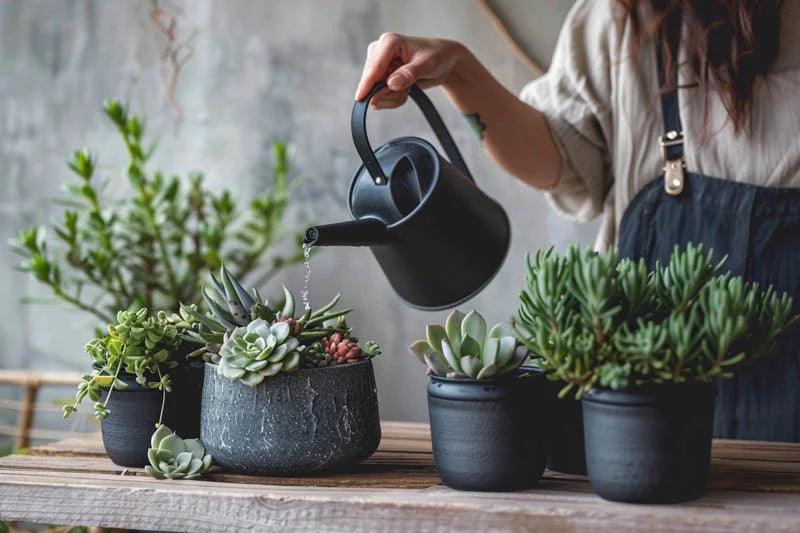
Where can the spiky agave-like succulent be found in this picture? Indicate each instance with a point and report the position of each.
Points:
(462, 348)
(259, 350)
(172, 457)
(233, 307)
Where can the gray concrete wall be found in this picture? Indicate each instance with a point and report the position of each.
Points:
(260, 71)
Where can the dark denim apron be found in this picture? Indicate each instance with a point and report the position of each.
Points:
(758, 228)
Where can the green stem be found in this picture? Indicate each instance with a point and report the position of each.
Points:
(162, 248)
(163, 397)
(86, 269)
(82, 305)
(111, 388)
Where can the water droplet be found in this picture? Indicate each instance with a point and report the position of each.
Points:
(307, 263)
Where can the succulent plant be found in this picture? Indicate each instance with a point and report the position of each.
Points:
(145, 249)
(251, 340)
(463, 348)
(595, 320)
(233, 306)
(138, 343)
(172, 457)
(253, 352)
(315, 356)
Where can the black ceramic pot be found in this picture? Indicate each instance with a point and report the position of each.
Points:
(483, 435)
(303, 422)
(133, 414)
(565, 449)
(649, 444)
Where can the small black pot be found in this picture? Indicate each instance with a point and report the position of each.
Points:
(649, 444)
(133, 414)
(482, 432)
(565, 449)
(298, 423)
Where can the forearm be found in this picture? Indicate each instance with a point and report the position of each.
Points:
(513, 133)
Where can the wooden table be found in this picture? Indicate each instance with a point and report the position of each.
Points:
(754, 486)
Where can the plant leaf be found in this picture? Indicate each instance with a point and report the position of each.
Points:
(474, 326)
(470, 346)
(505, 350)
(487, 372)
(453, 328)
(436, 363)
(435, 334)
(288, 303)
(419, 349)
(450, 356)
(470, 365)
(489, 356)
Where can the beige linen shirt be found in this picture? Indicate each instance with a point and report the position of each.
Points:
(602, 104)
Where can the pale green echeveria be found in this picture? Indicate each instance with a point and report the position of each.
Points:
(463, 348)
(172, 457)
(257, 351)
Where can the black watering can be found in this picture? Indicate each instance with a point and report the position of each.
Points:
(438, 238)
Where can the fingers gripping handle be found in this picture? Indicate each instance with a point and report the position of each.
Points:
(358, 126)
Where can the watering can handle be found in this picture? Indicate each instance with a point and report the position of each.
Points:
(358, 125)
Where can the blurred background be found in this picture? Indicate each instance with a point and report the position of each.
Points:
(219, 82)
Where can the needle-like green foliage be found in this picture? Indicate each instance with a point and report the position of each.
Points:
(147, 249)
(593, 320)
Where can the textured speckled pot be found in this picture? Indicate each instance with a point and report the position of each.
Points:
(565, 449)
(484, 436)
(303, 422)
(649, 444)
(134, 413)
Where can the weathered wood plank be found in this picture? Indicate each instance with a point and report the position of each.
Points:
(135, 502)
(398, 436)
(753, 486)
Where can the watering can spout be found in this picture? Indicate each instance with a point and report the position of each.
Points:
(361, 232)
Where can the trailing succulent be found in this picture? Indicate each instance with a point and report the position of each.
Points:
(462, 348)
(594, 320)
(172, 457)
(146, 249)
(138, 343)
(251, 340)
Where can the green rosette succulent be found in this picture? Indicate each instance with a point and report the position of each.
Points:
(462, 348)
(172, 457)
(259, 350)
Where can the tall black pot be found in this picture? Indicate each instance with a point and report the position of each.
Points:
(649, 444)
(133, 413)
(483, 435)
(565, 448)
(298, 423)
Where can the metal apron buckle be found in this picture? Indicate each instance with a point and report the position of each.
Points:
(674, 176)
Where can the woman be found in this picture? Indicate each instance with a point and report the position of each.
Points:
(678, 120)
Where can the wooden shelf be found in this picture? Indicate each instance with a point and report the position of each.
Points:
(754, 485)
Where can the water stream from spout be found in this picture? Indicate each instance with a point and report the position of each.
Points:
(307, 263)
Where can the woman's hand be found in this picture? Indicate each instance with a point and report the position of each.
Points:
(401, 61)
(513, 133)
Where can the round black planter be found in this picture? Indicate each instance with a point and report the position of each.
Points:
(133, 414)
(650, 444)
(303, 422)
(565, 448)
(483, 435)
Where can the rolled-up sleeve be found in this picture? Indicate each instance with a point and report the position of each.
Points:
(574, 97)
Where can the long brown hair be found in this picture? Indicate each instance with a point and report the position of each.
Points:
(730, 44)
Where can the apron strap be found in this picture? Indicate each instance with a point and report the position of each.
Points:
(671, 142)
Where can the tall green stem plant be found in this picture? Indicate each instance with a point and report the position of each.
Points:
(149, 248)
